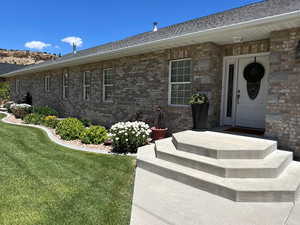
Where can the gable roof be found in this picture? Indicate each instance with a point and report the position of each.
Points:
(252, 12)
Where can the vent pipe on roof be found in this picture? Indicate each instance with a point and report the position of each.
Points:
(74, 48)
(155, 26)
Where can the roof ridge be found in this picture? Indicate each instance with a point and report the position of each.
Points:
(172, 25)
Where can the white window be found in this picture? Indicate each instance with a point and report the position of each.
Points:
(17, 86)
(87, 85)
(108, 85)
(65, 85)
(180, 82)
(47, 83)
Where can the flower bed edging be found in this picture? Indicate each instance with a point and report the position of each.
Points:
(56, 140)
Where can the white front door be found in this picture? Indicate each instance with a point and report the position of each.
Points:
(245, 96)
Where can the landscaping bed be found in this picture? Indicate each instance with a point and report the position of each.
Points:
(101, 147)
(122, 137)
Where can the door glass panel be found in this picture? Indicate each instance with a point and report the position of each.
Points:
(230, 90)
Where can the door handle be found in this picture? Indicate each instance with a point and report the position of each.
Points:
(238, 95)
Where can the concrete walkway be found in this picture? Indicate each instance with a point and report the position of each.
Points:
(161, 201)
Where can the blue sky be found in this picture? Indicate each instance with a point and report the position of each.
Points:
(94, 21)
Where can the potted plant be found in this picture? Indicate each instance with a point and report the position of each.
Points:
(199, 103)
(159, 130)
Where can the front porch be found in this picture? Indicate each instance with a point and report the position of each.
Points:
(213, 178)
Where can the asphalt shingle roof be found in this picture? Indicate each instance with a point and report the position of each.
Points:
(6, 67)
(243, 14)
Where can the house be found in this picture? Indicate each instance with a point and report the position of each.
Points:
(112, 82)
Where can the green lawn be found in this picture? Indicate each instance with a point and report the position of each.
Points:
(43, 183)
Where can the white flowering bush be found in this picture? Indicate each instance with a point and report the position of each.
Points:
(20, 110)
(128, 136)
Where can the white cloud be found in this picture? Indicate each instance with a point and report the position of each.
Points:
(70, 40)
(39, 45)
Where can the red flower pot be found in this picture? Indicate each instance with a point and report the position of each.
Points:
(158, 133)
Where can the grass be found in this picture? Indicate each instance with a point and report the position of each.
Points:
(42, 183)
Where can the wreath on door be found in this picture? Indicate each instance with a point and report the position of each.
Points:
(253, 74)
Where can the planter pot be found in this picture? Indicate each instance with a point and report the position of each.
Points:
(200, 116)
(158, 133)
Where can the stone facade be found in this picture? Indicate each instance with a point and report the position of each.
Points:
(245, 48)
(141, 83)
(283, 106)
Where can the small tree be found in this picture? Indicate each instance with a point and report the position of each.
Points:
(27, 99)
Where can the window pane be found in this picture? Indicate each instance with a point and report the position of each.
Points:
(66, 79)
(87, 80)
(87, 93)
(181, 71)
(108, 76)
(230, 90)
(47, 83)
(180, 94)
(108, 93)
(66, 92)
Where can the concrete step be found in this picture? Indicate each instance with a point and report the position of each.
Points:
(269, 167)
(284, 188)
(223, 146)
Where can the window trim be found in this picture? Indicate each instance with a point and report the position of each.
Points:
(47, 82)
(17, 86)
(85, 86)
(106, 85)
(170, 83)
(64, 84)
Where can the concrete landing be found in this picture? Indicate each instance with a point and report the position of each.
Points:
(161, 201)
(223, 146)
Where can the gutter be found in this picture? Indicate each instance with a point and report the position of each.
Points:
(58, 64)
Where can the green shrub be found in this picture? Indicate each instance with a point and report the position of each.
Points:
(7, 105)
(86, 123)
(69, 129)
(33, 118)
(94, 135)
(50, 121)
(129, 136)
(20, 110)
(44, 110)
(4, 91)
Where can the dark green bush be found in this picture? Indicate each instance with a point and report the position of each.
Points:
(33, 118)
(7, 105)
(86, 123)
(44, 110)
(94, 135)
(69, 129)
(50, 121)
(4, 91)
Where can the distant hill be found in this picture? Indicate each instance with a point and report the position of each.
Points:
(23, 57)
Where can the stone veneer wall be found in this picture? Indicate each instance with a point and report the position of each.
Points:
(246, 48)
(140, 85)
(283, 106)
